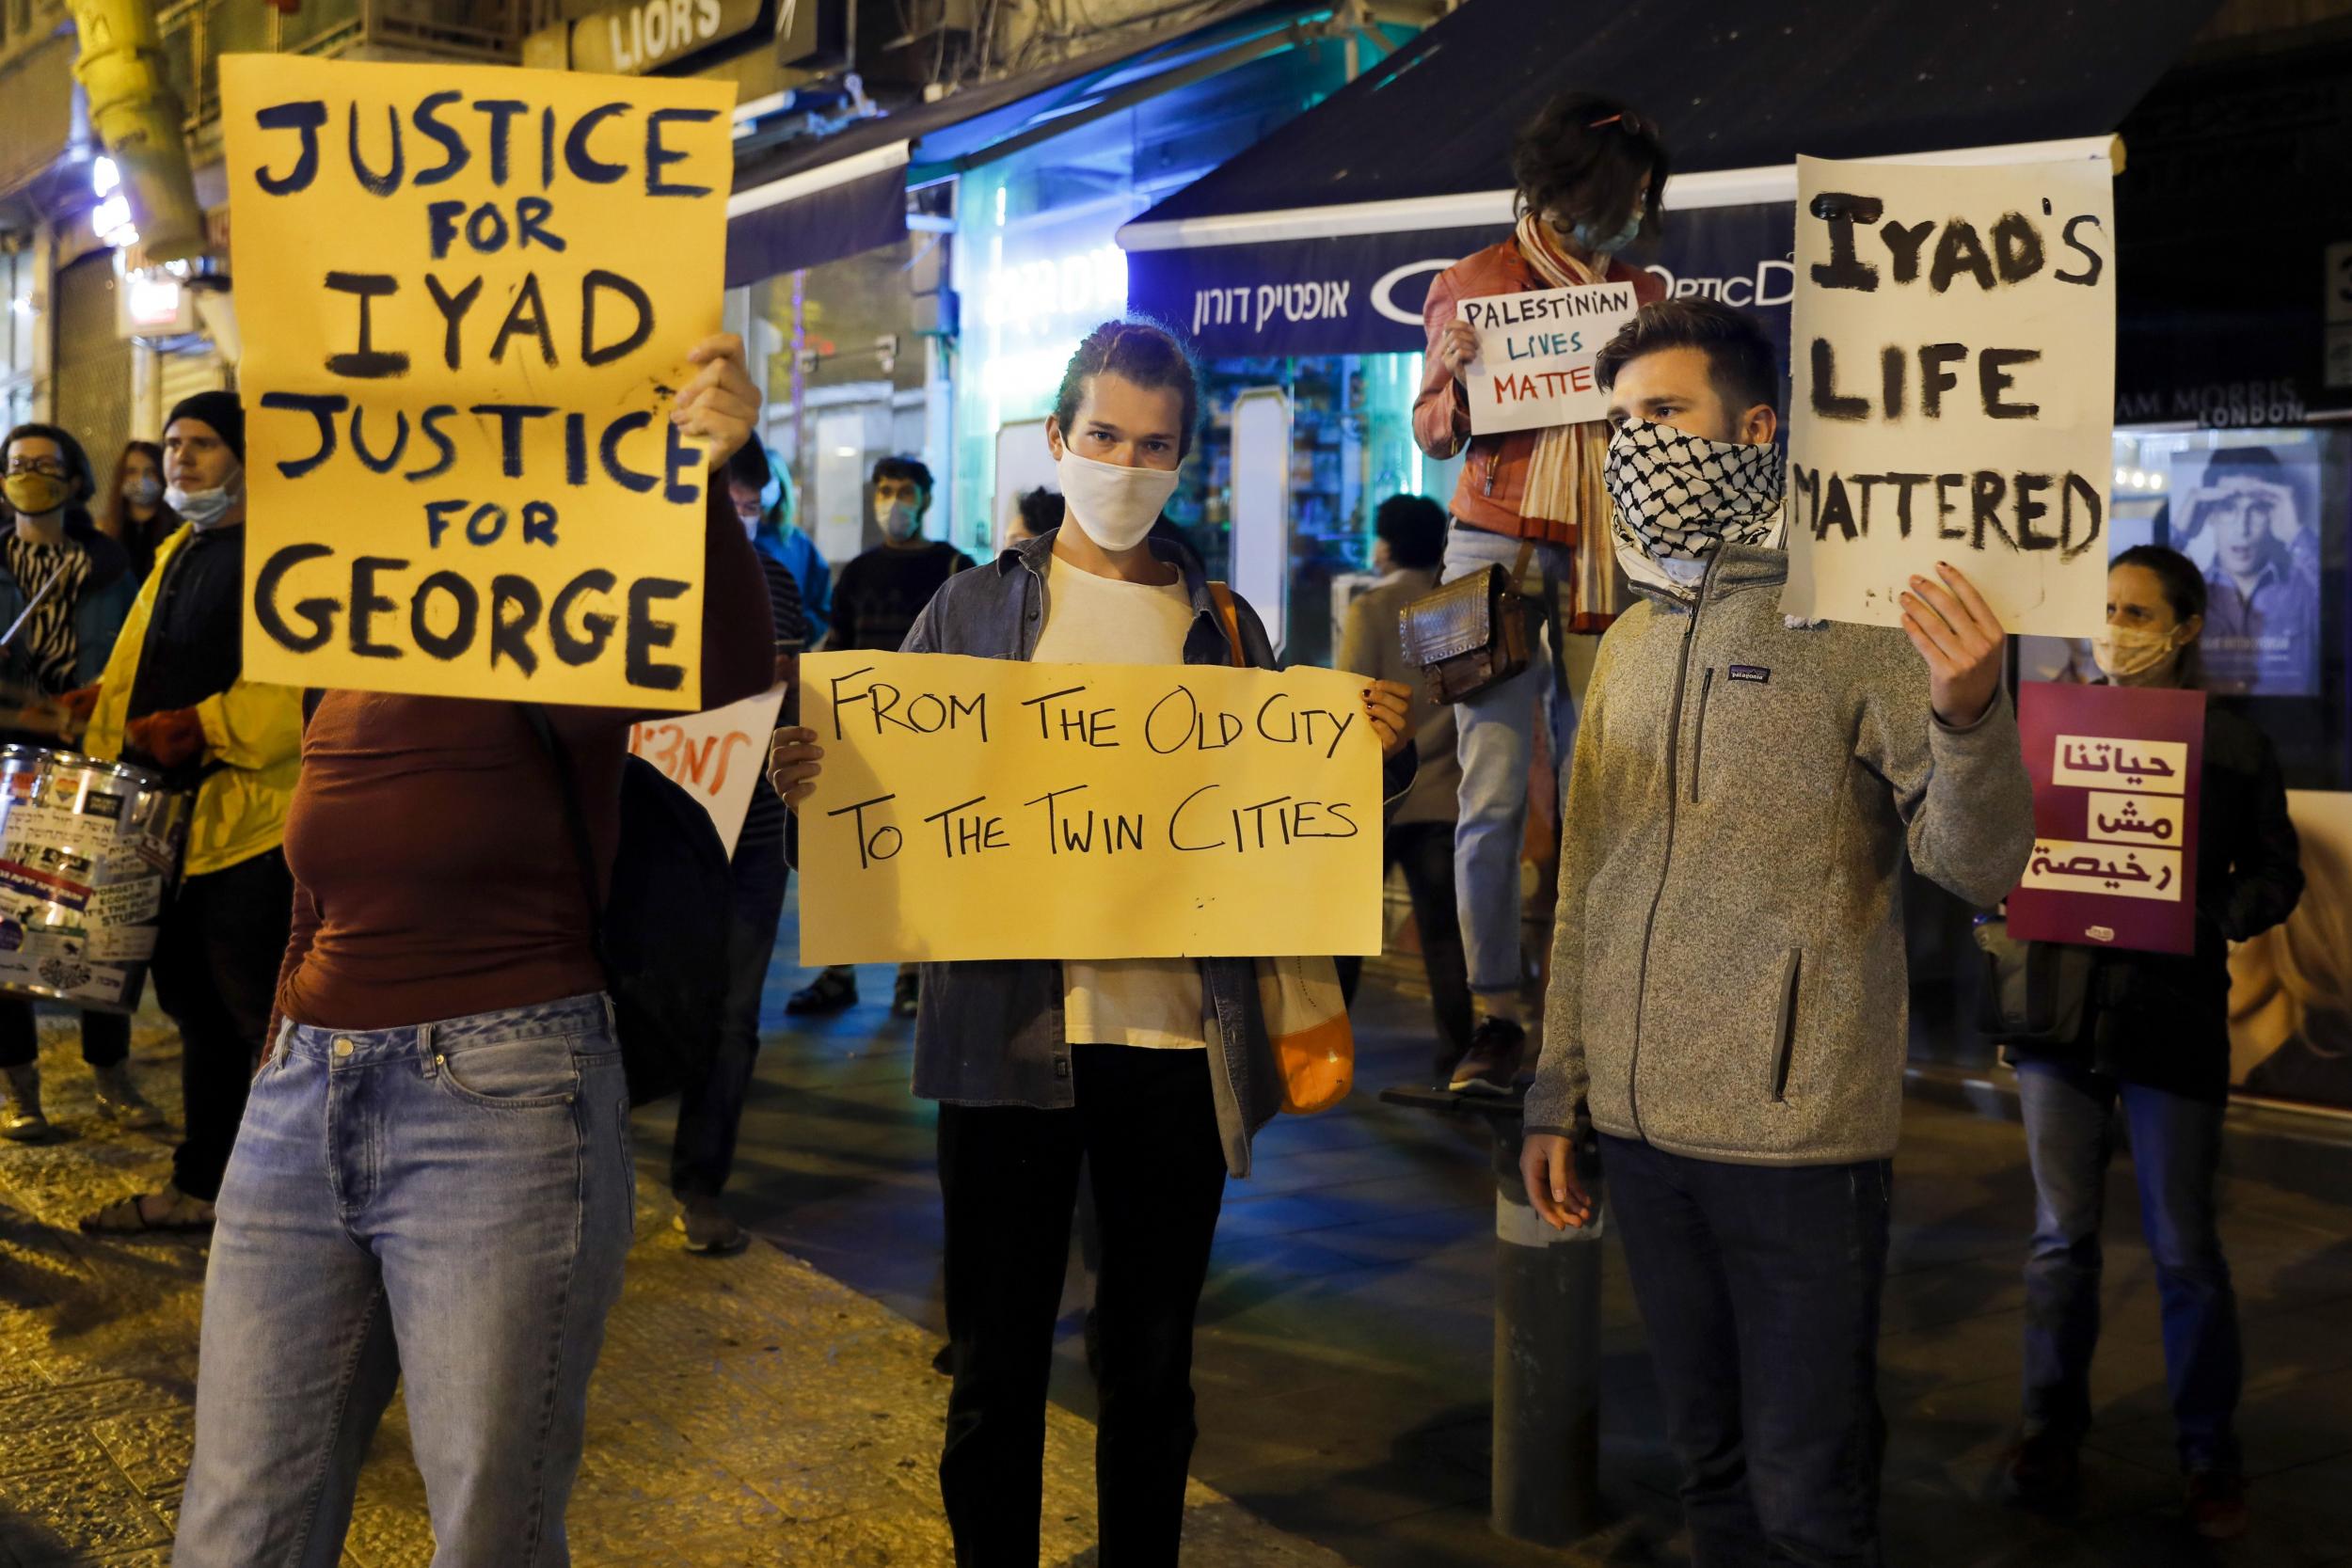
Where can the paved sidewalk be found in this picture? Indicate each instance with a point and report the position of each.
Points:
(749, 1411)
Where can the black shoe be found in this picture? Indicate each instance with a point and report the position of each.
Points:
(906, 996)
(2045, 1470)
(1492, 1064)
(709, 1229)
(828, 993)
(944, 1362)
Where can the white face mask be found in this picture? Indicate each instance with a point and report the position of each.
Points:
(2128, 655)
(1114, 506)
(900, 521)
(142, 489)
(204, 508)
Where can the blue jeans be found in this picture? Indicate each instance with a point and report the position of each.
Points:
(448, 1204)
(1758, 1287)
(2176, 1144)
(1497, 741)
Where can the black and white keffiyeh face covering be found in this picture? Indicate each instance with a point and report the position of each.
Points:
(1679, 496)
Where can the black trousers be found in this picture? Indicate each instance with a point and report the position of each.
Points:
(1146, 1126)
(710, 1113)
(1425, 850)
(106, 1037)
(216, 962)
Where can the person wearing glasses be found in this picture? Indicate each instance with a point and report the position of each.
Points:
(64, 588)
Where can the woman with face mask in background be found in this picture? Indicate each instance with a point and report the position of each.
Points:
(2154, 1046)
(61, 647)
(1154, 1072)
(138, 517)
(1590, 173)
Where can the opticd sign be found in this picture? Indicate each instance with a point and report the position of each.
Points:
(633, 40)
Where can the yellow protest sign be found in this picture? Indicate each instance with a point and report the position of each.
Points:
(981, 808)
(471, 290)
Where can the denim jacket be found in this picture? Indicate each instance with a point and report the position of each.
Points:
(993, 1033)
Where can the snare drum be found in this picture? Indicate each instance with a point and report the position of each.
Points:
(90, 853)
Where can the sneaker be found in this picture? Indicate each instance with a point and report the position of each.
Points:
(21, 1120)
(1492, 1064)
(906, 997)
(121, 1102)
(2042, 1471)
(707, 1229)
(833, 991)
(2216, 1504)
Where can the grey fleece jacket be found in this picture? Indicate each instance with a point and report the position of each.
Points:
(1728, 974)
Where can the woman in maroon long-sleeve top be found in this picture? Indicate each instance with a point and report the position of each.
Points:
(433, 1180)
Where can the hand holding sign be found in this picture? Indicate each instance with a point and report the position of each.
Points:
(1457, 345)
(794, 760)
(720, 405)
(1389, 705)
(1962, 640)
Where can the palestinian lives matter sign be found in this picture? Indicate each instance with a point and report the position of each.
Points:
(2115, 794)
(1535, 350)
(1952, 362)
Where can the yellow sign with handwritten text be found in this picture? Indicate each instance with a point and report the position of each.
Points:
(471, 290)
(979, 808)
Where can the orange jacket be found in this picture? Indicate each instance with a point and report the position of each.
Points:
(1495, 477)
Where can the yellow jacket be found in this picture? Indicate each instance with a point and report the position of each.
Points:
(255, 730)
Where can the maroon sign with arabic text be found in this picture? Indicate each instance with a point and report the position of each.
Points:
(2115, 773)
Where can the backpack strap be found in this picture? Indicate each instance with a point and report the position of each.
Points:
(1230, 617)
(576, 819)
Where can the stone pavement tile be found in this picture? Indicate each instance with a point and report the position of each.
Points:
(618, 1531)
(151, 1447)
(2285, 1426)
(1460, 1532)
(389, 1534)
(79, 1402)
(74, 1515)
(53, 1446)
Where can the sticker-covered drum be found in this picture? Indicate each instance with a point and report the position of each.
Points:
(90, 853)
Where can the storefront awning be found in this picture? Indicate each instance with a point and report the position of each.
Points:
(819, 200)
(1322, 237)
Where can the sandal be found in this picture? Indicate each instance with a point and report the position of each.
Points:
(130, 1218)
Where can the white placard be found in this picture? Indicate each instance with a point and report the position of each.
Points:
(1953, 389)
(1535, 364)
(715, 756)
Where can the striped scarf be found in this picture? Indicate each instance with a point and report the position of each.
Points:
(48, 640)
(1565, 479)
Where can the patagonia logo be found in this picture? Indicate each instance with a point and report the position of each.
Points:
(1755, 672)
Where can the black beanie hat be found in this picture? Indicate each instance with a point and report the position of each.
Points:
(221, 410)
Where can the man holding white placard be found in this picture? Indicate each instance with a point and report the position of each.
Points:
(1590, 174)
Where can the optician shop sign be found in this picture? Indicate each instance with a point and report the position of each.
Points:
(1362, 293)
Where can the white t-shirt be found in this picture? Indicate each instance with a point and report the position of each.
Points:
(1092, 620)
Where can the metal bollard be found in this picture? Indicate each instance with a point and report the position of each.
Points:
(1547, 1431)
